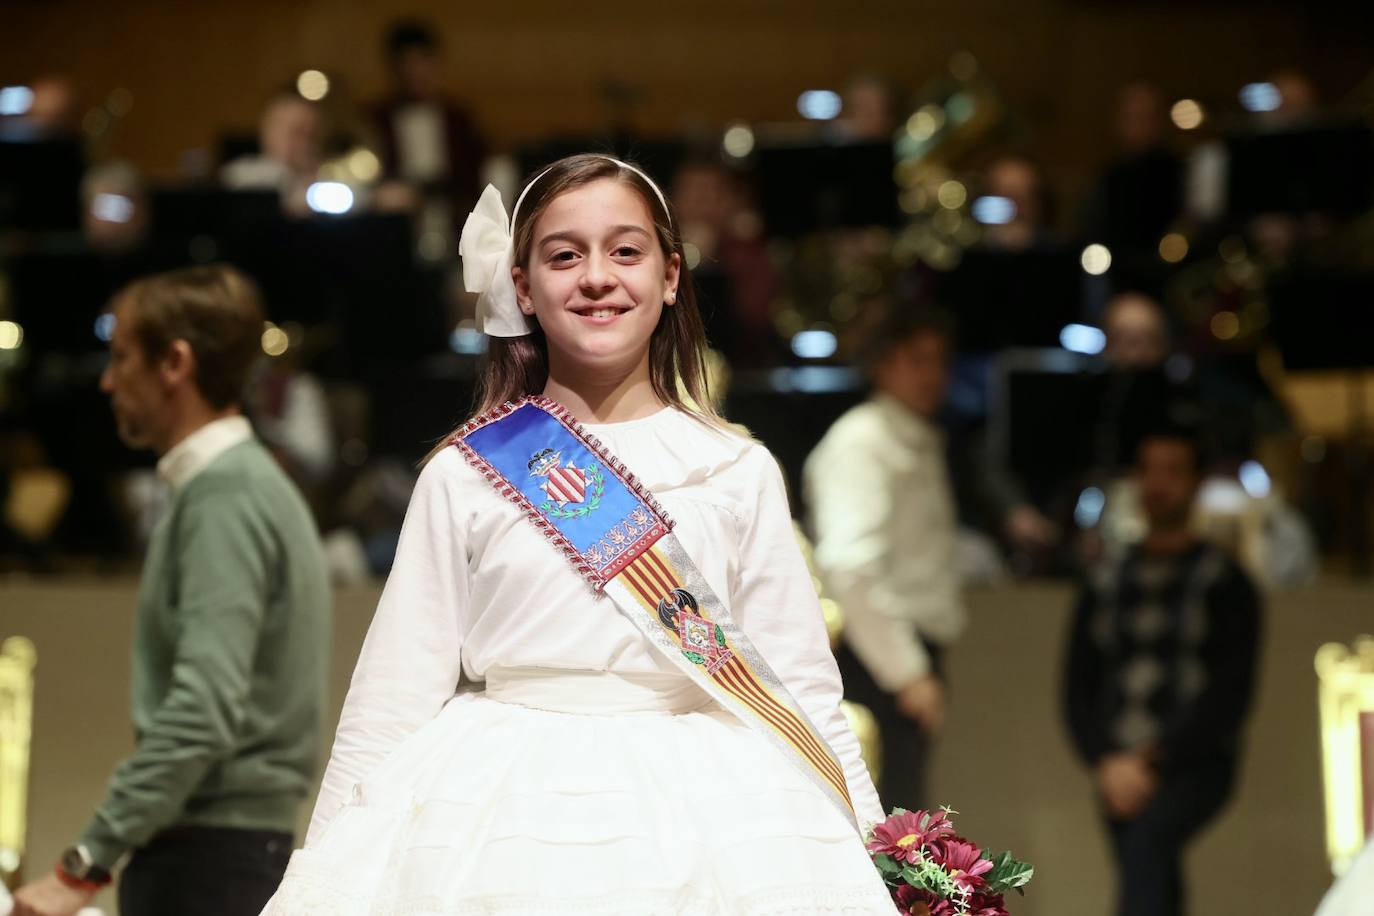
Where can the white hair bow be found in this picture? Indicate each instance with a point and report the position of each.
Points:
(488, 252)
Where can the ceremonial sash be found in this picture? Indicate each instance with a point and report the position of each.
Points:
(616, 536)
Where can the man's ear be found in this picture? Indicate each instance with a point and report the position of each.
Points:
(178, 364)
(522, 290)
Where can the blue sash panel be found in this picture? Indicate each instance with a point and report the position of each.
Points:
(591, 507)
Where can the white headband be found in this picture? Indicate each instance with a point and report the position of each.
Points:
(488, 251)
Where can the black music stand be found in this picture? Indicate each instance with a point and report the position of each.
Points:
(1316, 322)
(812, 188)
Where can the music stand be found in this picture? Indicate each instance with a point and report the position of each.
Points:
(1318, 168)
(1003, 299)
(813, 188)
(1315, 320)
(40, 184)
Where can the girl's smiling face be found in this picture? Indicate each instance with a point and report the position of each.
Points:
(596, 277)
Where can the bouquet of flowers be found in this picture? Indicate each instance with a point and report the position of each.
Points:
(931, 871)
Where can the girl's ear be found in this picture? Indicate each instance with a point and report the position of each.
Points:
(522, 290)
(671, 275)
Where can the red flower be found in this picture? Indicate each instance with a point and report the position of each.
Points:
(919, 902)
(903, 836)
(963, 861)
(986, 905)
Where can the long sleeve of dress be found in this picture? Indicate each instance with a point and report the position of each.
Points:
(410, 662)
(775, 603)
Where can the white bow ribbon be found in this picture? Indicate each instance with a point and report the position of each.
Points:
(488, 251)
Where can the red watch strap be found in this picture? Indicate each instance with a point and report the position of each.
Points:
(79, 884)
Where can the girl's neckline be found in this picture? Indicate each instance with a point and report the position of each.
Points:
(630, 424)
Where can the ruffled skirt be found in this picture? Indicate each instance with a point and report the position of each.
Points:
(522, 799)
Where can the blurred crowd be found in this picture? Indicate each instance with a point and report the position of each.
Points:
(1167, 284)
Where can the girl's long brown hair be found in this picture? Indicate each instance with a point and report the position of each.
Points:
(518, 366)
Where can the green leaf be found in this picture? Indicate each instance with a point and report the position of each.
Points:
(694, 658)
(1008, 874)
(887, 866)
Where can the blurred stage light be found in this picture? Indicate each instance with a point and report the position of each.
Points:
(691, 254)
(113, 208)
(312, 85)
(364, 165)
(814, 344)
(815, 379)
(1082, 338)
(466, 339)
(1255, 479)
(1232, 249)
(738, 141)
(963, 65)
(960, 107)
(15, 100)
(274, 340)
(11, 335)
(1225, 325)
(1187, 114)
(1260, 97)
(952, 195)
(819, 104)
(1089, 508)
(925, 122)
(1096, 259)
(1173, 247)
(329, 197)
(993, 210)
(104, 327)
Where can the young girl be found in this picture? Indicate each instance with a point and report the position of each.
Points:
(649, 719)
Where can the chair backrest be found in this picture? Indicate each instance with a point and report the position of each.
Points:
(1345, 676)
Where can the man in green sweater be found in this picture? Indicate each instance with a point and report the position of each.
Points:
(232, 636)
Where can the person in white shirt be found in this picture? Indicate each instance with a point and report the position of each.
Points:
(290, 134)
(584, 767)
(882, 514)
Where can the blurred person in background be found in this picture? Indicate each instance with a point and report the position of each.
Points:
(1238, 507)
(884, 526)
(232, 636)
(869, 110)
(718, 218)
(1137, 339)
(115, 218)
(1158, 682)
(1139, 195)
(289, 408)
(428, 139)
(290, 135)
(51, 113)
(1136, 331)
(1298, 97)
(1020, 180)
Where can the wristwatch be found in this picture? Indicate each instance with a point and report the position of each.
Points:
(77, 867)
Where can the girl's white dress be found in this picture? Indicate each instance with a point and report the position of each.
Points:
(577, 771)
